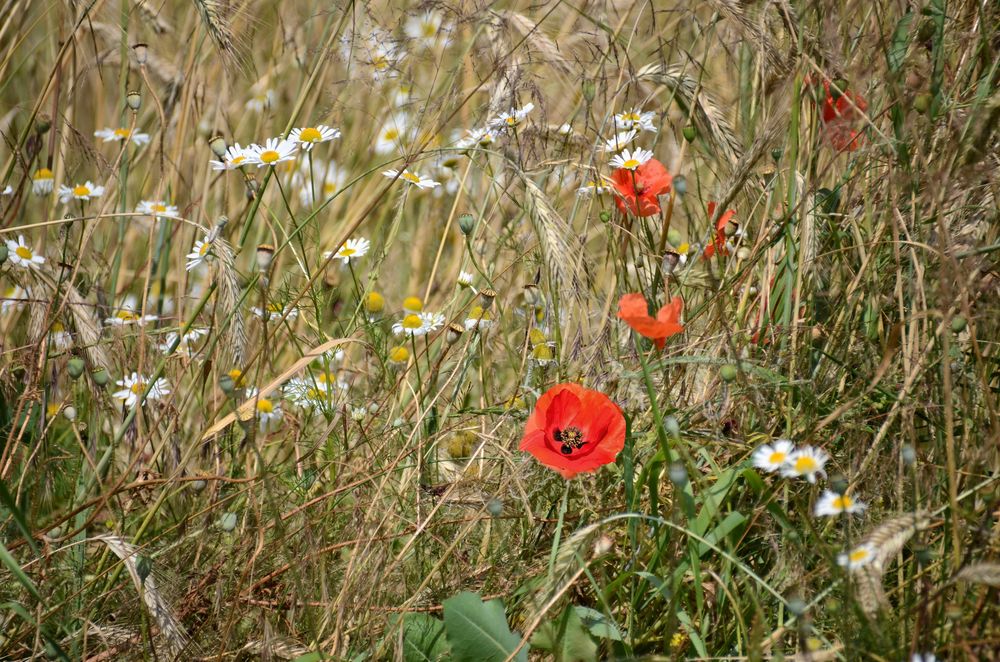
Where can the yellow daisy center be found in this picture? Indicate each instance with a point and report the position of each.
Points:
(631, 117)
(329, 188)
(413, 303)
(374, 303)
(57, 327)
(542, 353)
(478, 313)
(843, 502)
(236, 375)
(859, 554)
(684, 248)
(777, 457)
(204, 249)
(52, 409)
(428, 29)
(346, 252)
(412, 322)
(264, 406)
(126, 315)
(322, 378)
(138, 387)
(310, 135)
(805, 464)
(157, 207)
(236, 160)
(24, 252)
(390, 134)
(511, 121)
(274, 308)
(631, 164)
(381, 63)
(81, 191)
(269, 156)
(122, 133)
(44, 173)
(399, 354)
(410, 177)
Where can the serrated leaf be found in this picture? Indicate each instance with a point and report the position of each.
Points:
(423, 638)
(478, 631)
(566, 638)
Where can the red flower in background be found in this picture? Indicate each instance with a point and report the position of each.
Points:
(574, 429)
(634, 311)
(636, 190)
(840, 115)
(718, 244)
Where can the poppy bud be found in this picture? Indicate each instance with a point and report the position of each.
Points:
(837, 88)
(690, 132)
(227, 522)
(922, 102)
(776, 154)
(141, 53)
(466, 223)
(75, 367)
(603, 545)
(680, 184)
(265, 254)
(728, 372)
(958, 324)
(133, 100)
(218, 145)
(43, 124)
(100, 376)
(454, 333)
(589, 90)
(487, 295)
(605, 216)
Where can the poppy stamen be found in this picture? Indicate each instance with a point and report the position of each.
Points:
(570, 438)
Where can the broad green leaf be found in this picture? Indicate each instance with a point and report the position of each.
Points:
(566, 638)
(478, 631)
(598, 624)
(423, 638)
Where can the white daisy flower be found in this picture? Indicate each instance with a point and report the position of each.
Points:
(268, 410)
(187, 341)
(426, 29)
(133, 387)
(858, 557)
(805, 463)
(118, 135)
(86, 191)
(60, 337)
(272, 152)
(479, 137)
(310, 136)
(619, 141)
(773, 457)
(20, 255)
(234, 157)
(276, 311)
(14, 297)
(830, 504)
(478, 319)
(126, 314)
(418, 324)
(7, 190)
(200, 253)
(465, 279)
(157, 209)
(631, 160)
(328, 178)
(261, 100)
(392, 135)
(42, 181)
(565, 129)
(385, 59)
(352, 249)
(512, 118)
(412, 178)
(636, 119)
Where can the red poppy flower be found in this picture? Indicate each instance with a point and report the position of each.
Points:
(574, 429)
(637, 190)
(718, 244)
(839, 118)
(633, 309)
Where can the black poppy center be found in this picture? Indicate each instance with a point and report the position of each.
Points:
(570, 438)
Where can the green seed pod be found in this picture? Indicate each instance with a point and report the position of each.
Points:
(589, 90)
(75, 367)
(922, 102)
(690, 132)
(494, 507)
(466, 223)
(227, 522)
(674, 237)
(605, 216)
(958, 324)
(728, 372)
(776, 154)
(100, 377)
(133, 100)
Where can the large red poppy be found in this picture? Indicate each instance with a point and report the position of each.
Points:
(840, 116)
(636, 190)
(634, 311)
(718, 244)
(574, 429)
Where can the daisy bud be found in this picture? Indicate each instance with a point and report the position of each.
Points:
(670, 262)
(141, 53)
(958, 324)
(218, 145)
(589, 90)
(743, 253)
(466, 223)
(265, 253)
(487, 295)
(75, 367)
(374, 303)
(678, 474)
(672, 427)
(133, 100)
(494, 507)
(454, 333)
(797, 606)
(100, 376)
(690, 133)
(680, 184)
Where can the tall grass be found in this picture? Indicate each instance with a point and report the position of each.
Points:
(307, 483)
